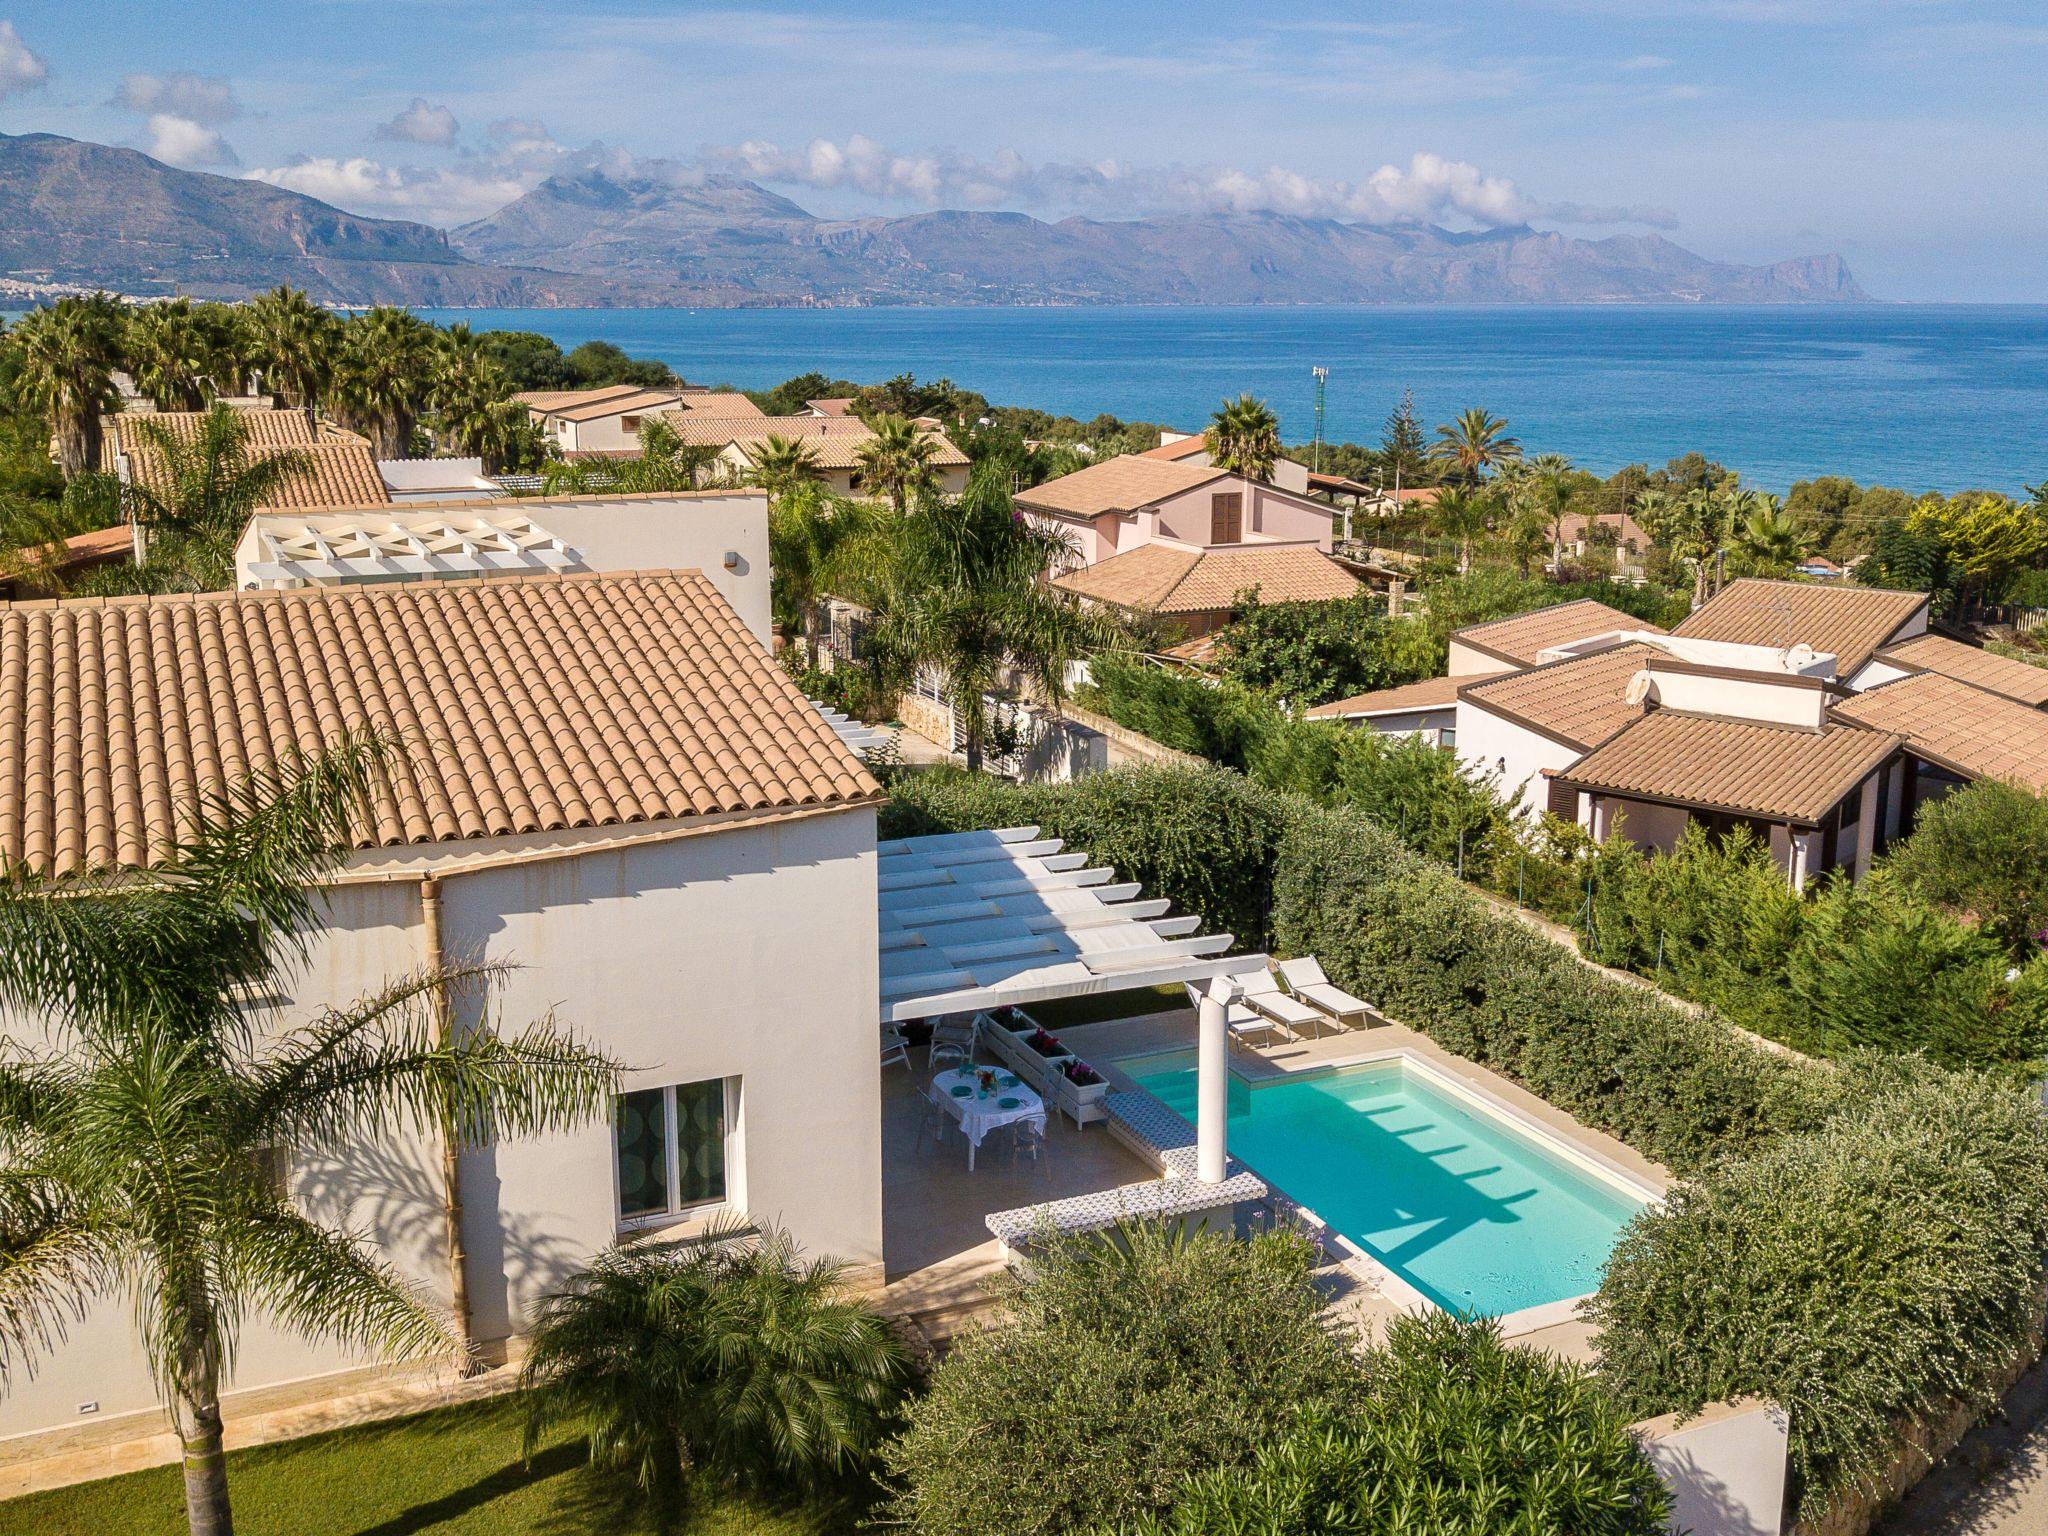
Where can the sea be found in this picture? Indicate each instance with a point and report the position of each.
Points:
(1924, 397)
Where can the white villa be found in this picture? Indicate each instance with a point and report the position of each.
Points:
(1821, 717)
(834, 441)
(606, 420)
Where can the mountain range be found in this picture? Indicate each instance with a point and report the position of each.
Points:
(90, 215)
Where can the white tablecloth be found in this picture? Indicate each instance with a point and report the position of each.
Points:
(977, 1115)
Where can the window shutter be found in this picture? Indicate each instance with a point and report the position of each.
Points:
(1564, 800)
(1226, 517)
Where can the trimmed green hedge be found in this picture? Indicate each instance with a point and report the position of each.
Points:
(1864, 1241)
(1880, 1270)
(1401, 930)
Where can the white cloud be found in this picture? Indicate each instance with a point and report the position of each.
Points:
(1645, 62)
(1429, 188)
(362, 185)
(180, 141)
(204, 99)
(421, 123)
(21, 67)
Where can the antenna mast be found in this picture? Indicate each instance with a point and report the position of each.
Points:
(1321, 374)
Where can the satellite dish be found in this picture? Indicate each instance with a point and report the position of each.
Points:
(1800, 657)
(1640, 688)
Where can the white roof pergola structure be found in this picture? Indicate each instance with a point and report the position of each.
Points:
(857, 735)
(299, 548)
(973, 920)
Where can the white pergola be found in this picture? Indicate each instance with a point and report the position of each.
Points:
(857, 735)
(976, 920)
(394, 545)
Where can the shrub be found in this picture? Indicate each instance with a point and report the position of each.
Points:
(1122, 1368)
(1309, 653)
(1200, 837)
(730, 1355)
(1873, 1272)
(1402, 931)
(1983, 851)
(1488, 1439)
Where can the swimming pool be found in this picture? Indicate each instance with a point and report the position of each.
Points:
(1461, 1202)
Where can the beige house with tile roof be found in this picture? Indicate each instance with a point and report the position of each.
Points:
(608, 418)
(835, 442)
(1198, 589)
(1745, 714)
(611, 789)
(1126, 502)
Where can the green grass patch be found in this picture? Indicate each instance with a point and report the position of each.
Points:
(452, 1472)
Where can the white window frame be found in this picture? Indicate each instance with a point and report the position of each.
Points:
(677, 1212)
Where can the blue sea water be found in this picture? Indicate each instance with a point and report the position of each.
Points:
(1464, 1206)
(1925, 397)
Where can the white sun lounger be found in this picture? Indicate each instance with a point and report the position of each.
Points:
(1262, 991)
(1241, 1021)
(1304, 977)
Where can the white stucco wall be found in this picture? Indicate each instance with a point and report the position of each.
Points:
(1725, 1467)
(1465, 661)
(1490, 744)
(748, 952)
(1757, 697)
(1270, 517)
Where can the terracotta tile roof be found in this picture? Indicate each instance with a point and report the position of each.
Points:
(336, 474)
(1520, 639)
(1430, 693)
(835, 440)
(1744, 766)
(1572, 527)
(591, 404)
(524, 705)
(1186, 448)
(1171, 578)
(1970, 664)
(1983, 735)
(716, 402)
(101, 544)
(1580, 702)
(834, 405)
(265, 428)
(1122, 484)
(1849, 622)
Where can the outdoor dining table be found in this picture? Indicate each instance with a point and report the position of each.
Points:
(979, 1111)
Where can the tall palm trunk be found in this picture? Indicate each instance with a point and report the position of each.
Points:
(195, 1412)
(78, 444)
(451, 1155)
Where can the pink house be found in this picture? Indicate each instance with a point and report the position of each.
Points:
(1182, 538)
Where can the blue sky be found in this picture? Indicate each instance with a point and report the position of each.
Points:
(1909, 135)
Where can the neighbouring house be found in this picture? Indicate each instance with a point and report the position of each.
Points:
(835, 442)
(340, 470)
(612, 791)
(1820, 717)
(46, 572)
(836, 406)
(1193, 448)
(1196, 590)
(723, 534)
(1580, 538)
(437, 480)
(1820, 568)
(605, 418)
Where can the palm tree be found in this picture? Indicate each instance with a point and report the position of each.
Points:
(781, 464)
(805, 527)
(381, 377)
(471, 399)
(68, 352)
(1694, 525)
(1543, 489)
(169, 354)
(896, 461)
(198, 494)
(957, 590)
(292, 341)
(728, 1354)
(1243, 438)
(1473, 444)
(1460, 513)
(1766, 538)
(140, 1141)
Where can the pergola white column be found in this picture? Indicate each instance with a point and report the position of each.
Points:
(1212, 1080)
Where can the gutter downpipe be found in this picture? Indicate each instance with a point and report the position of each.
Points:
(451, 1163)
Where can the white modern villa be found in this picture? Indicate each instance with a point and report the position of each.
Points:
(1819, 716)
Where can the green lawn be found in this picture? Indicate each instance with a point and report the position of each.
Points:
(453, 1472)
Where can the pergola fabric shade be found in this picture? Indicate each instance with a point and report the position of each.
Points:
(971, 920)
(298, 549)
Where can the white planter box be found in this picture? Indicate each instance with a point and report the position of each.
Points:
(1081, 1105)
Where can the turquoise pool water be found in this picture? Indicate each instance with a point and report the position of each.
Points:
(1464, 1206)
